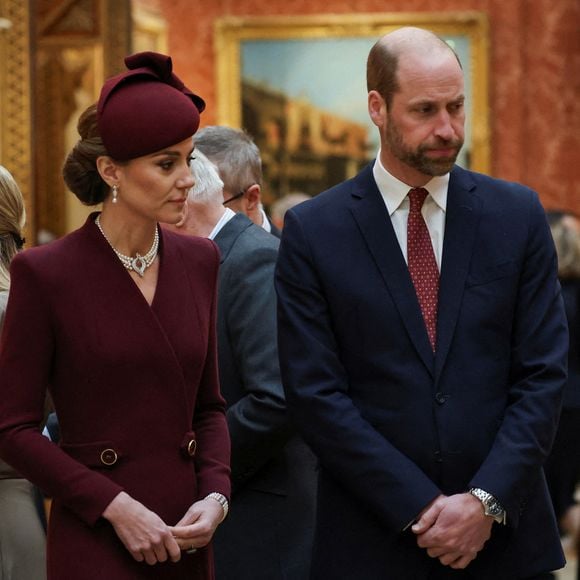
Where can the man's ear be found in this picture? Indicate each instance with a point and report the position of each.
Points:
(108, 170)
(377, 109)
(253, 197)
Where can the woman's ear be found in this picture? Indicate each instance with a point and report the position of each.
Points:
(108, 170)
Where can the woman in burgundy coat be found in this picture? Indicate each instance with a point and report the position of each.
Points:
(117, 321)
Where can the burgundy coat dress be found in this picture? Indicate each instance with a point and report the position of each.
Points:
(135, 388)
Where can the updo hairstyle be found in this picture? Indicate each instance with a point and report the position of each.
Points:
(80, 168)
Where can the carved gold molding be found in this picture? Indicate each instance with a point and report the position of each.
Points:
(149, 31)
(15, 109)
(99, 32)
(116, 34)
(78, 44)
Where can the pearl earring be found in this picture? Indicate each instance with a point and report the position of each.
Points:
(115, 193)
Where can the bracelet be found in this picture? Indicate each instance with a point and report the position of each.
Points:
(222, 500)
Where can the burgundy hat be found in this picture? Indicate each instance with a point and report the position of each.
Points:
(146, 109)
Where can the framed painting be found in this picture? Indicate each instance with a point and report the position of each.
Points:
(298, 86)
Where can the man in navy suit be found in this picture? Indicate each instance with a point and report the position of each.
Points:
(423, 347)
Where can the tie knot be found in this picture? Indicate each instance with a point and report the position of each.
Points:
(417, 196)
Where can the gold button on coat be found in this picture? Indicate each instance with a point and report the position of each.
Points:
(109, 457)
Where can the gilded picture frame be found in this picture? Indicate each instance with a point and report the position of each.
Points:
(297, 85)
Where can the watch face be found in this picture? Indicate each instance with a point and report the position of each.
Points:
(494, 509)
(491, 506)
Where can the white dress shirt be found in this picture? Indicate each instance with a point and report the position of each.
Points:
(226, 217)
(395, 196)
(265, 221)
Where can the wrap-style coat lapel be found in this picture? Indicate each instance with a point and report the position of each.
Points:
(164, 327)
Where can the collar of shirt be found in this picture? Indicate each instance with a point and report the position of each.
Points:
(265, 221)
(394, 192)
(226, 217)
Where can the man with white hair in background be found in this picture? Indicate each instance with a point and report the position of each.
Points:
(268, 534)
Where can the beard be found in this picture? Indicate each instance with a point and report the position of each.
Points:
(417, 158)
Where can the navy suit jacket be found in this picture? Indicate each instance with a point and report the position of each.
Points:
(393, 424)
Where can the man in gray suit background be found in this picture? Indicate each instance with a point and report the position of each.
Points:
(237, 158)
(268, 534)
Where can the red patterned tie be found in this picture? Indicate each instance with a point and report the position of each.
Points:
(422, 264)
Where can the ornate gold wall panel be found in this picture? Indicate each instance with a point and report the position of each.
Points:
(149, 29)
(78, 44)
(15, 110)
(116, 34)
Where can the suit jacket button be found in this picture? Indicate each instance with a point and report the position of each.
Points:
(109, 457)
(440, 398)
(191, 447)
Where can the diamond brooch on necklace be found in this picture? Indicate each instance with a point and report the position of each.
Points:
(138, 263)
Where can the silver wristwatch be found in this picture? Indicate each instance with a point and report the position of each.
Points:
(491, 507)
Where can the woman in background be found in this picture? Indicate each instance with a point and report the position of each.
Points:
(22, 538)
(563, 464)
(117, 320)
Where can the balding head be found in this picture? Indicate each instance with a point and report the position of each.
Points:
(384, 57)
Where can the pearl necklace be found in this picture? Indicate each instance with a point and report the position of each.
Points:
(139, 263)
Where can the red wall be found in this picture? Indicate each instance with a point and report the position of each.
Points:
(534, 80)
